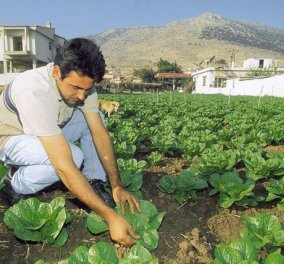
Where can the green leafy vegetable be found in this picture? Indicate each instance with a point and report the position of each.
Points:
(275, 258)
(33, 220)
(233, 190)
(144, 223)
(131, 173)
(237, 252)
(183, 186)
(263, 230)
(104, 253)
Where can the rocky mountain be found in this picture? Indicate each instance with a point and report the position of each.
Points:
(191, 41)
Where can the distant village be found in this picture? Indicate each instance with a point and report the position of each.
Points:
(27, 47)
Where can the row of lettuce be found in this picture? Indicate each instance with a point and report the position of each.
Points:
(34, 221)
(224, 142)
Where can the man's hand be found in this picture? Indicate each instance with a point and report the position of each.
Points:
(121, 231)
(121, 195)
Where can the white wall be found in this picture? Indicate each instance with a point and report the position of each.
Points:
(199, 79)
(272, 86)
(254, 63)
(1, 47)
(42, 48)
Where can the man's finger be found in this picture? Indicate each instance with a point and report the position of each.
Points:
(123, 204)
(127, 241)
(131, 204)
(137, 204)
(133, 234)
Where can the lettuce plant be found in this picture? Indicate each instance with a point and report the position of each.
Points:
(263, 230)
(145, 223)
(165, 142)
(183, 186)
(155, 158)
(216, 160)
(37, 221)
(259, 236)
(274, 258)
(258, 167)
(104, 253)
(233, 190)
(237, 252)
(124, 150)
(276, 191)
(3, 171)
(192, 147)
(131, 173)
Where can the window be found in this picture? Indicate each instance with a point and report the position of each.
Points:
(1, 67)
(18, 43)
(220, 82)
(49, 45)
(204, 80)
(261, 64)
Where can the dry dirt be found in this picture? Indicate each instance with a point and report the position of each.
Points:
(188, 234)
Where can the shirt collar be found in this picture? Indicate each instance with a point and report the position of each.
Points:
(53, 82)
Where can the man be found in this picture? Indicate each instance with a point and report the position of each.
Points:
(42, 113)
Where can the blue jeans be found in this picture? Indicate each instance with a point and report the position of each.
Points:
(36, 171)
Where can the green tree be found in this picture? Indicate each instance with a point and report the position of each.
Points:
(146, 75)
(166, 66)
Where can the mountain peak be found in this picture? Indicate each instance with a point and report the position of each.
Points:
(190, 41)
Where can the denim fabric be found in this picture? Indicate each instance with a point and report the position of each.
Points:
(36, 172)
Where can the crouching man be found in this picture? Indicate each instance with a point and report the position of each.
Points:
(43, 112)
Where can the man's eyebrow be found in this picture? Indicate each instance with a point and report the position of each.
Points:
(78, 87)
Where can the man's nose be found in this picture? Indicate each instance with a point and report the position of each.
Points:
(81, 95)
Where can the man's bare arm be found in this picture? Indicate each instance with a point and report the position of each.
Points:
(104, 148)
(60, 155)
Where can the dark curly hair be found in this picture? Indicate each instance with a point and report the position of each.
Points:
(82, 56)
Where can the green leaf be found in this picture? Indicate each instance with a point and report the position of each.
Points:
(96, 224)
(29, 213)
(275, 258)
(3, 170)
(33, 220)
(40, 261)
(167, 184)
(138, 254)
(232, 188)
(144, 223)
(102, 253)
(61, 238)
(149, 237)
(29, 235)
(79, 256)
(264, 230)
(241, 251)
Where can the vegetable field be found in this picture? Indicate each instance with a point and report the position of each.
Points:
(209, 171)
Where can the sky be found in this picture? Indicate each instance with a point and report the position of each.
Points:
(79, 18)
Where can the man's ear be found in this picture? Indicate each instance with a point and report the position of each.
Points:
(56, 72)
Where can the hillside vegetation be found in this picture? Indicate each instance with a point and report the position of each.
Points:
(190, 41)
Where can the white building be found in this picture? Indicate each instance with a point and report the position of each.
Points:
(216, 77)
(26, 47)
(253, 63)
(235, 81)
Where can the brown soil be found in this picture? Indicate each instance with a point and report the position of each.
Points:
(188, 234)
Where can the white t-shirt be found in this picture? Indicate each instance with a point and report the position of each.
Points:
(40, 106)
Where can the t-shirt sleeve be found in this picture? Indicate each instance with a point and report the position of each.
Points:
(38, 113)
(91, 102)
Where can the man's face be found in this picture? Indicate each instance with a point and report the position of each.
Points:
(74, 87)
